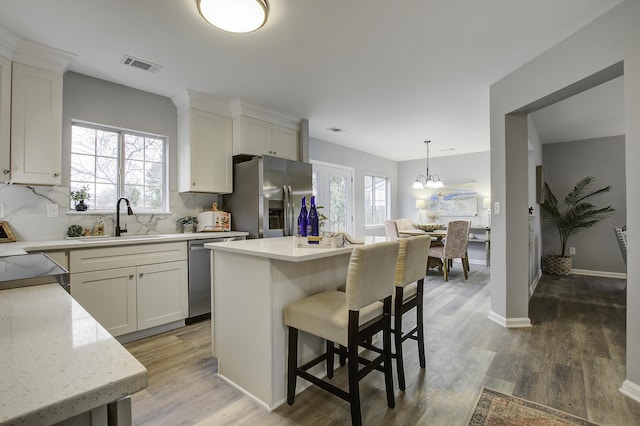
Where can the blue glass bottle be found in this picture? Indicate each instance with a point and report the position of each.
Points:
(302, 218)
(313, 221)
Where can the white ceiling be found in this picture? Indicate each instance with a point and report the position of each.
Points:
(391, 74)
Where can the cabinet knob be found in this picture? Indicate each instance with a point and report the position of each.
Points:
(141, 274)
(131, 276)
(56, 174)
(6, 172)
(193, 184)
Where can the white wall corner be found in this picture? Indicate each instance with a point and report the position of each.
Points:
(509, 322)
(44, 57)
(631, 390)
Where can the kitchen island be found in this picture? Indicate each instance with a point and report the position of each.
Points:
(252, 281)
(58, 363)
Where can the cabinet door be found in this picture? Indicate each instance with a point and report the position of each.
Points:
(284, 142)
(5, 119)
(36, 126)
(211, 152)
(162, 293)
(256, 136)
(109, 296)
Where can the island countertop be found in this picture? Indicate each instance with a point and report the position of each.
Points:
(285, 248)
(56, 360)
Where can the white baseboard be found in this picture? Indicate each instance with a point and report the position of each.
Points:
(534, 284)
(509, 322)
(605, 274)
(631, 390)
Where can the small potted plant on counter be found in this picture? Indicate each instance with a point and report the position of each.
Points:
(188, 223)
(79, 196)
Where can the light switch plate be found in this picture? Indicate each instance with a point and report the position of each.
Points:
(2, 213)
(496, 207)
(53, 210)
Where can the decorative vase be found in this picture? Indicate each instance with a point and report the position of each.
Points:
(81, 206)
(187, 227)
(558, 265)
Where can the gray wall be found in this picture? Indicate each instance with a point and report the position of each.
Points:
(565, 164)
(362, 163)
(451, 169)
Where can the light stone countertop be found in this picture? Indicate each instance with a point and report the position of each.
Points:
(285, 248)
(56, 361)
(21, 247)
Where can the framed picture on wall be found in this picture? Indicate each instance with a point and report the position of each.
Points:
(539, 184)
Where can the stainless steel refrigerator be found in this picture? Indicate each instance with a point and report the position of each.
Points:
(266, 197)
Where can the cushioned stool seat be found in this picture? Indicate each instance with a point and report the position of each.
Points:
(349, 319)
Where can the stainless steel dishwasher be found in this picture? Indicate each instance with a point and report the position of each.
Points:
(200, 278)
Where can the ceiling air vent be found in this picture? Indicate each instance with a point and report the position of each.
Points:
(139, 63)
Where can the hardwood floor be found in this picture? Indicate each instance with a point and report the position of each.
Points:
(573, 359)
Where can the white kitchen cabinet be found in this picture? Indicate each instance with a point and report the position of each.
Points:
(109, 296)
(36, 125)
(132, 288)
(204, 152)
(5, 119)
(257, 137)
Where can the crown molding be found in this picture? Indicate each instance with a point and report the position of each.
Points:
(8, 43)
(241, 107)
(44, 57)
(192, 99)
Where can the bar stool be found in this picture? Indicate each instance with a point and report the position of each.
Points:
(349, 319)
(411, 268)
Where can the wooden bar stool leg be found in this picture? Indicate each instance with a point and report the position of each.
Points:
(354, 385)
(420, 323)
(397, 334)
(330, 352)
(388, 370)
(292, 374)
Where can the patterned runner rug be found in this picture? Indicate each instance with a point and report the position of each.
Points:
(495, 408)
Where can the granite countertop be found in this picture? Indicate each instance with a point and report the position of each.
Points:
(21, 247)
(285, 248)
(56, 361)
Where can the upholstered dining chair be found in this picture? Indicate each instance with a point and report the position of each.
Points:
(349, 319)
(455, 247)
(391, 229)
(411, 268)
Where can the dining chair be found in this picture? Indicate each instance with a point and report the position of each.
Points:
(348, 318)
(391, 229)
(455, 247)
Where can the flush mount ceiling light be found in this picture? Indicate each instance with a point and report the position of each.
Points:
(236, 16)
(430, 181)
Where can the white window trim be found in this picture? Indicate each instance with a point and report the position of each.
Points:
(387, 204)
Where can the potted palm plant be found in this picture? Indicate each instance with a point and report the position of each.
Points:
(571, 216)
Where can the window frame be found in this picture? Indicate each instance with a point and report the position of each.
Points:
(387, 193)
(120, 185)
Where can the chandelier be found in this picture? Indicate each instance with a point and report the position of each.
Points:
(236, 16)
(427, 181)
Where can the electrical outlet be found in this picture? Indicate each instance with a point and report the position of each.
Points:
(496, 208)
(53, 210)
(572, 250)
(2, 213)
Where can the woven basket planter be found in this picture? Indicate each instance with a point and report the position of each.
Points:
(558, 265)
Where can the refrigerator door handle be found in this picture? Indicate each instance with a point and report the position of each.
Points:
(292, 216)
(286, 211)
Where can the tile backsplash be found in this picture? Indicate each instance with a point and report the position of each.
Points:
(26, 213)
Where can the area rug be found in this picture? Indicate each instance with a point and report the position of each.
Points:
(495, 408)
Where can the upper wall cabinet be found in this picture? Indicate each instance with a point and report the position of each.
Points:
(5, 119)
(256, 137)
(36, 125)
(204, 152)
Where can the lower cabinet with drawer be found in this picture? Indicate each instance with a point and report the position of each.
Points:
(132, 288)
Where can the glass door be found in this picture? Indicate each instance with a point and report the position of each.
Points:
(333, 189)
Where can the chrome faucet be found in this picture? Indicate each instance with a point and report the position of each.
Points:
(129, 212)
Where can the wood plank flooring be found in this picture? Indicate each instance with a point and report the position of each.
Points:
(573, 359)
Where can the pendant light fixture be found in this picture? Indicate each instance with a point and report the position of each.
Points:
(236, 16)
(430, 181)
